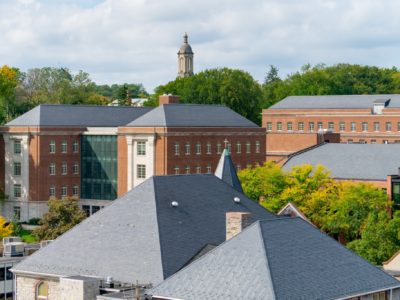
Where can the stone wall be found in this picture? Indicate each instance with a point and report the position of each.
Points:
(26, 287)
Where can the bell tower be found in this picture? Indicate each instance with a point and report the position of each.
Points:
(185, 59)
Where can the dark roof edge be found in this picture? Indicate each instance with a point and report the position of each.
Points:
(303, 150)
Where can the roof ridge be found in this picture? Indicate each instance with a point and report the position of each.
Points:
(94, 105)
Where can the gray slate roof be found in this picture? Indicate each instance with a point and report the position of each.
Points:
(141, 236)
(285, 258)
(192, 115)
(79, 115)
(226, 171)
(337, 101)
(352, 161)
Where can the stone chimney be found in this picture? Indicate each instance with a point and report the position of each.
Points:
(236, 222)
(168, 99)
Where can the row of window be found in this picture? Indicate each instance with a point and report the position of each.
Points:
(198, 148)
(198, 169)
(373, 141)
(64, 168)
(331, 126)
(52, 190)
(64, 147)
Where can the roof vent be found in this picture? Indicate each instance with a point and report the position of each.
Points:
(174, 204)
(236, 199)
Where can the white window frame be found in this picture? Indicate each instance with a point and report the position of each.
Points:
(269, 126)
(388, 126)
(176, 149)
(64, 168)
(353, 126)
(17, 190)
(209, 168)
(364, 126)
(219, 148)
(377, 126)
(17, 166)
(64, 146)
(75, 190)
(289, 126)
(141, 148)
(248, 147)
(311, 126)
(52, 191)
(176, 169)
(17, 147)
(75, 168)
(75, 147)
(238, 148)
(342, 126)
(140, 171)
(300, 126)
(52, 147)
(198, 148)
(187, 148)
(52, 169)
(208, 148)
(187, 170)
(198, 169)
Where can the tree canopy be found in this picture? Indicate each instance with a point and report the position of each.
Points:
(62, 216)
(344, 210)
(340, 79)
(234, 88)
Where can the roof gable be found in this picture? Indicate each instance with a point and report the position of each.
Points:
(192, 115)
(79, 115)
(226, 171)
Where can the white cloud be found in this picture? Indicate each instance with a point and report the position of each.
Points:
(137, 40)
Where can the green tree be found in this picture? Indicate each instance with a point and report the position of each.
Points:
(9, 78)
(61, 217)
(234, 88)
(380, 237)
(340, 79)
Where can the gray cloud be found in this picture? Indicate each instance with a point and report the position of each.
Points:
(137, 40)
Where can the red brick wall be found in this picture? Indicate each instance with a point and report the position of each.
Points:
(122, 165)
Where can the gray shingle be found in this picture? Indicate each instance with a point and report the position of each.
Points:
(226, 171)
(79, 115)
(141, 236)
(284, 258)
(352, 161)
(192, 115)
(335, 101)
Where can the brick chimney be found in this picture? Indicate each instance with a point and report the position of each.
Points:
(168, 99)
(236, 222)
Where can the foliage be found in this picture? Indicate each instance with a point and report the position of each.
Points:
(9, 78)
(345, 210)
(380, 237)
(233, 88)
(62, 216)
(27, 236)
(6, 229)
(340, 79)
(122, 92)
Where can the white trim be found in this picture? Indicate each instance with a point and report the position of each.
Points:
(100, 131)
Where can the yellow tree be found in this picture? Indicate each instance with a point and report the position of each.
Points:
(5, 229)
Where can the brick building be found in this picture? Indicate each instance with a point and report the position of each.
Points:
(96, 153)
(299, 122)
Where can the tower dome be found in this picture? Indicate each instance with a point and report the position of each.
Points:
(185, 59)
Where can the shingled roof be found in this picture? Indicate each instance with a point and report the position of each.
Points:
(192, 115)
(352, 161)
(79, 115)
(284, 258)
(336, 101)
(226, 171)
(142, 236)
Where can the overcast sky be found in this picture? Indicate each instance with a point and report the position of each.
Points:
(119, 41)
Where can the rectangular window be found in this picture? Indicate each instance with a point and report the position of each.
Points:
(64, 191)
(397, 141)
(52, 169)
(75, 168)
(311, 126)
(331, 126)
(17, 169)
(300, 126)
(141, 171)
(219, 148)
(64, 168)
(75, 147)
(187, 148)
(388, 126)
(361, 141)
(248, 147)
(52, 147)
(269, 126)
(353, 126)
(75, 190)
(257, 146)
(364, 126)
(176, 148)
(141, 148)
(17, 190)
(208, 168)
(64, 147)
(385, 142)
(198, 148)
(176, 170)
(373, 141)
(208, 148)
(238, 167)
(342, 126)
(198, 170)
(279, 126)
(376, 126)
(289, 126)
(187, 169)
(320, 125)
(229, 148)
(17, 147)
(349, 141)
(17, 212)
(52, 191)
(238, 148)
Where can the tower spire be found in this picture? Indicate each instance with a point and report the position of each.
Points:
(185, 58)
